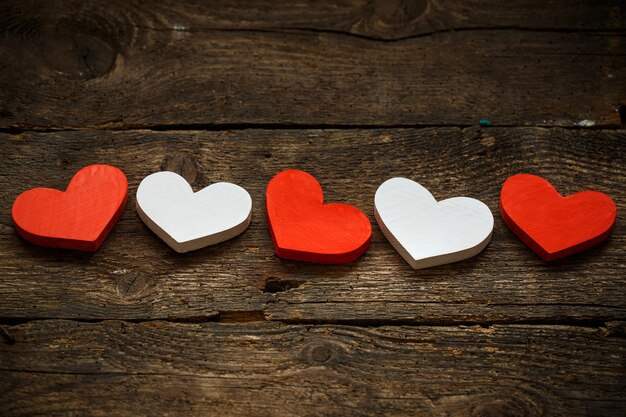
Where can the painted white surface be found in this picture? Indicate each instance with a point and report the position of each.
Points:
(186, 220)
(429, 233)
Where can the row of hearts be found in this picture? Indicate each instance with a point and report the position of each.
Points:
(425, 232)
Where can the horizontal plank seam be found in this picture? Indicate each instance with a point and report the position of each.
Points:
(14, 321)
(310, 30)
(121, 373)
(603, 324)
(616, 307)
(590, 324)
(274, 126)
(584, 305)
(246, 380)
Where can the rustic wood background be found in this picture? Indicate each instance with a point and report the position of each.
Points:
(354, 92)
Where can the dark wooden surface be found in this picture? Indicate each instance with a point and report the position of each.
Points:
(62, 367)
(354, 92)
(110, 65)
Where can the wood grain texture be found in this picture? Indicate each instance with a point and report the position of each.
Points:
(438, 63)
(136, 276)
(234, 330)
(378, 19)
(120, 368)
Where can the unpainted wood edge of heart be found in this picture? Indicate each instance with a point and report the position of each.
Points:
(57, 243)
(328, 259)
(195, 244)
(449, 258)
(432, 261)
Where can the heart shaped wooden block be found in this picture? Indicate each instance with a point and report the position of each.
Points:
(186, 220)
(554, 226)
(303, 228)
(79, 218)
(429, 233)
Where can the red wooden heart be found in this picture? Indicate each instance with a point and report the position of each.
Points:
(305, 229)
(554, 226)
(79, 218)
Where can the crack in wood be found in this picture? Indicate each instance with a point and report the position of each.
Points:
(607, 328)
(275, 285)
(6, 337)
(219, 127)
(312, 30)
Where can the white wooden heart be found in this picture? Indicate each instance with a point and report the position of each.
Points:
(186, 220)
(429, 233)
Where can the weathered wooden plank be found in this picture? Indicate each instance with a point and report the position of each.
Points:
(114, 66)
(121, 368)
(379, 19)
(136, 276)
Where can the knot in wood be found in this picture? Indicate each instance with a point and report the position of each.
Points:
(77, 55)
(320, 352)
(183, 165)
(133, 284)
(508, 402)
(499, 408)
(399, 13)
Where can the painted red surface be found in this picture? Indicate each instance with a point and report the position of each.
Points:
(79, 218)
(305, 229)
(554, 226)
